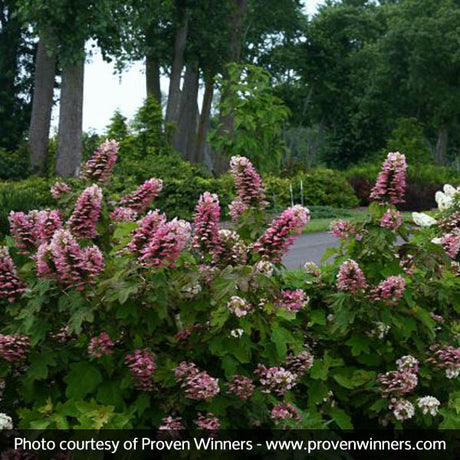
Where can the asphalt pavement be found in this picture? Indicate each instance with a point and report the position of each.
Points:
(308, 248)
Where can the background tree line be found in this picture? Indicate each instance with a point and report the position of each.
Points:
(285, 89)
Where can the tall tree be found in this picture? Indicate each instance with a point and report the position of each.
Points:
(42, 104)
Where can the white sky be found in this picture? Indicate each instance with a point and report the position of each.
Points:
(106, 91)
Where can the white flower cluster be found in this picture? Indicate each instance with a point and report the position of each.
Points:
(448, 197)
(402, 409)
(191, 290)
(265, 267)
(428, 404)
(240, 307)
(423, 220)
(6, 423)
(237, 333)
(381, 330)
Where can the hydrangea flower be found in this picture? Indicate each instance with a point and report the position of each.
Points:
(232, 249)
(447, 198)
(275, 379)
(402, 409)
(265, 267)
(10, 285)
(59, 189)
(250, 190)
(280, 235)
(284, 411)
(208, 422)
(122, 214)
(148, 226)
(142, 197)
(350, 277)
(141, 365)
(343, 229)
(397, 383)
(390, 290)
(299, 364)
(171, 424)
(6, 422)
(293, 300)
(391, 182)
(67, 262)
(84, 218)
(446, 358)
(206, 224)
(423, 220)
(99, 167)
(391, 219)
(239, 306)
(408, 363)
(100, 346)
(428, 404)
(14, 348)
(241, 386)
(165, 244)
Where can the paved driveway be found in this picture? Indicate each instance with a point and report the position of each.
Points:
(308, 248)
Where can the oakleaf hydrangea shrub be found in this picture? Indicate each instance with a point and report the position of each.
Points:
(383, 314)
(117, 315)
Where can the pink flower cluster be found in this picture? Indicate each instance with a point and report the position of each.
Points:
(451, 243)
(446, 358)
(121, 214)
(402, 381)
(343, 229)
(248, 185)
(402, 409)
(276, 379)
(142, 197)
(196, 384)
(390, 290)
(232, 249)
(171, 424)
(241, 386)
(34, 228)
(391, 182)
(84, 218)
(350, 277)
(141, 365)
(60, 189)
(208, 422)
(284, 411)
(299, 364)
(158, 242)
(99, 167)
(10, 285)
(14, 348)
(391, 219)
(207, 214)
(100, 346)
(64, 260)
(280, 235)
(292, 300)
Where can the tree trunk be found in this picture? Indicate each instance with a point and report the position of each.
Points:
(184, 138)
(234, 54)
(203, 127)
(441, 146)
(69, 145)
(152, 77)
(172, 109)
(42, 104)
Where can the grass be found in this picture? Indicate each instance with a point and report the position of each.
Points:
(321, 224)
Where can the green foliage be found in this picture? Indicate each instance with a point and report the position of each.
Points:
(409, 138)
(318, 187)
(14, 165)
(258, 116)
(32, 193)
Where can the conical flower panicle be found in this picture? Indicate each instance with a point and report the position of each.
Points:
(84, 218)
(350, 277)
(142, 197)
(391, 182)
(147, 228)
(281, 233)
(249, 187)
(99, 168)
(206, 224)
(10, 285)
(64, 260)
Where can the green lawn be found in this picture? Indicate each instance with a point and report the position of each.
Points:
(321, 224)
